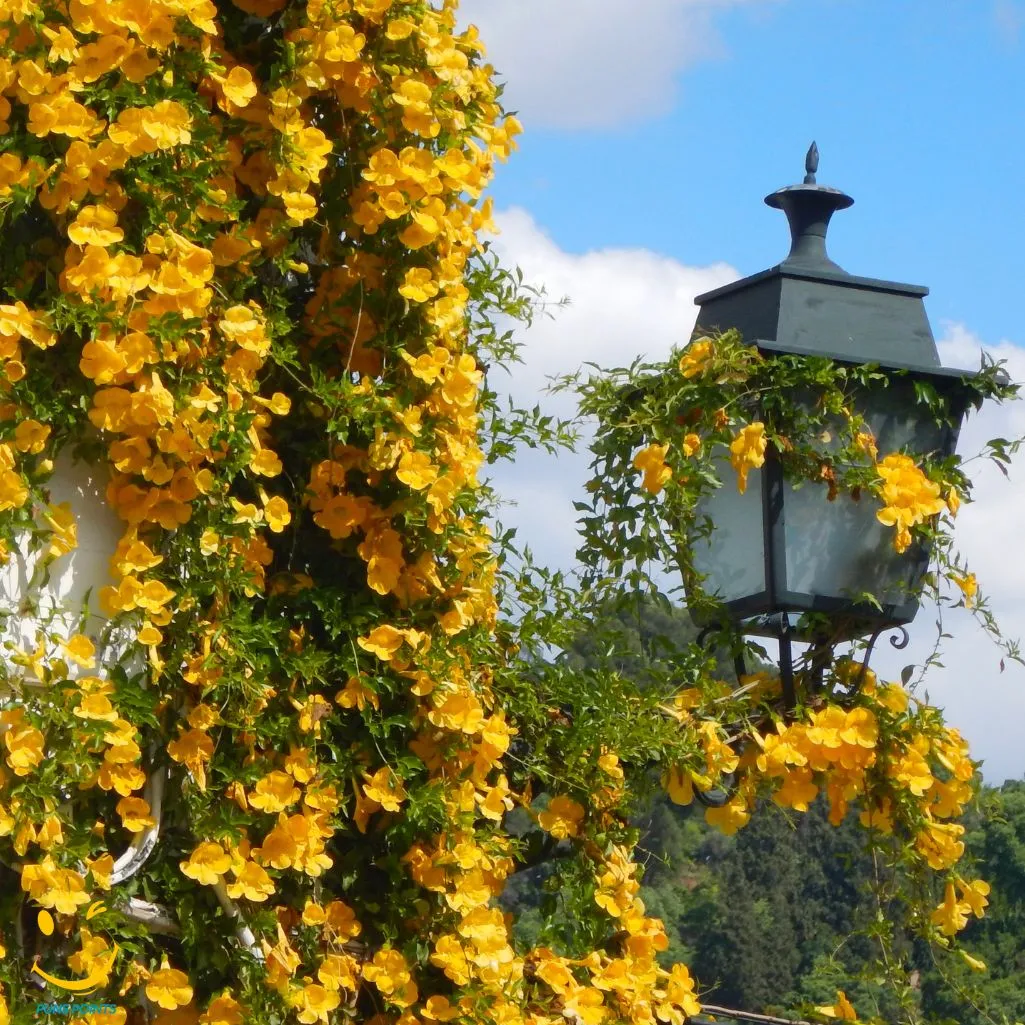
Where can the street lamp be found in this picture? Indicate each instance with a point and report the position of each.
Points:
(784, 560)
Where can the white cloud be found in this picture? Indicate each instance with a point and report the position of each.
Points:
(623, 303)
(590, 63)
(630, 302)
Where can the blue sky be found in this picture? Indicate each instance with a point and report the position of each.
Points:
(917, 109)
(653, 131)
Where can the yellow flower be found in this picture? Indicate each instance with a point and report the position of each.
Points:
(149, 635)
(223, 1010)
(95, 226)
(314, 914)
(680, 991)
(385, 788)
(418, 285)
(562, 818)
(912, 772)
(652, 461)
(609, 764)
(399, 28)
(679, 785)
(438, 1008)
(696, 357)
(747, 452)
(64, 537)
(81, 650)
(207, 863)
(429, 366)
(974, 963)
(252, 882)
(63, 890)
(277, 514)
(797, 790)
(940, 844)
(451, 959)
(239, 87)
(51, 833)
(969, 587)
(388, 971)
(340, 921)
(865, 441)
(13, 493)
(953, 501)
(169, 988)
(30, 436)
(243, 326)
(416, 470)
(274, 793)
(315, 1002)
(585, 1005)
(382, 552)
(842, 1010)
(383, 641)
(135, 814)
(730, 817)
(24, 745)
(909, 497)
(460, 710)
(691, 444)
(894, 697)
(194, 749)
(357, 694)
(100, 870)
(93, 958)
(878, 816)
(975, 896)
(266, 463)
(951, 916)
(300, 206)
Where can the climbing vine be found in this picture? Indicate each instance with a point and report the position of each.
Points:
(670, 435)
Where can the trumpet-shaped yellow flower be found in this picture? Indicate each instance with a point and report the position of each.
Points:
(697, 357)
(562, 817)
(652, 460)
(909, 497)
(747, 452)
(169, 988)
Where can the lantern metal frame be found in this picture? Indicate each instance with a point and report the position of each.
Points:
(759, 611)
(809, 306)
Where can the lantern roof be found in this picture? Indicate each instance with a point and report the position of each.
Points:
(809, 305)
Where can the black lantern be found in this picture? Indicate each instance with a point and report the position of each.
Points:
(781, 551)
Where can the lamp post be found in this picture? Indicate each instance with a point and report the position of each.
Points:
(795, 562)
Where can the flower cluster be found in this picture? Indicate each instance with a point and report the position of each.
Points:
(244, 262)
(861, 745)
(909, 497)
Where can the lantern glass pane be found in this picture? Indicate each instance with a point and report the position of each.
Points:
(839, 549)
(732, 558)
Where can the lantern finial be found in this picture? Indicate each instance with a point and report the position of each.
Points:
(808, 208)
(811, 164)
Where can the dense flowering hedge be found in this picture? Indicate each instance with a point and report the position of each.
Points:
(236, 260)
(243, 280)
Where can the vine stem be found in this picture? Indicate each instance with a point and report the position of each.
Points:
(760, 1019)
